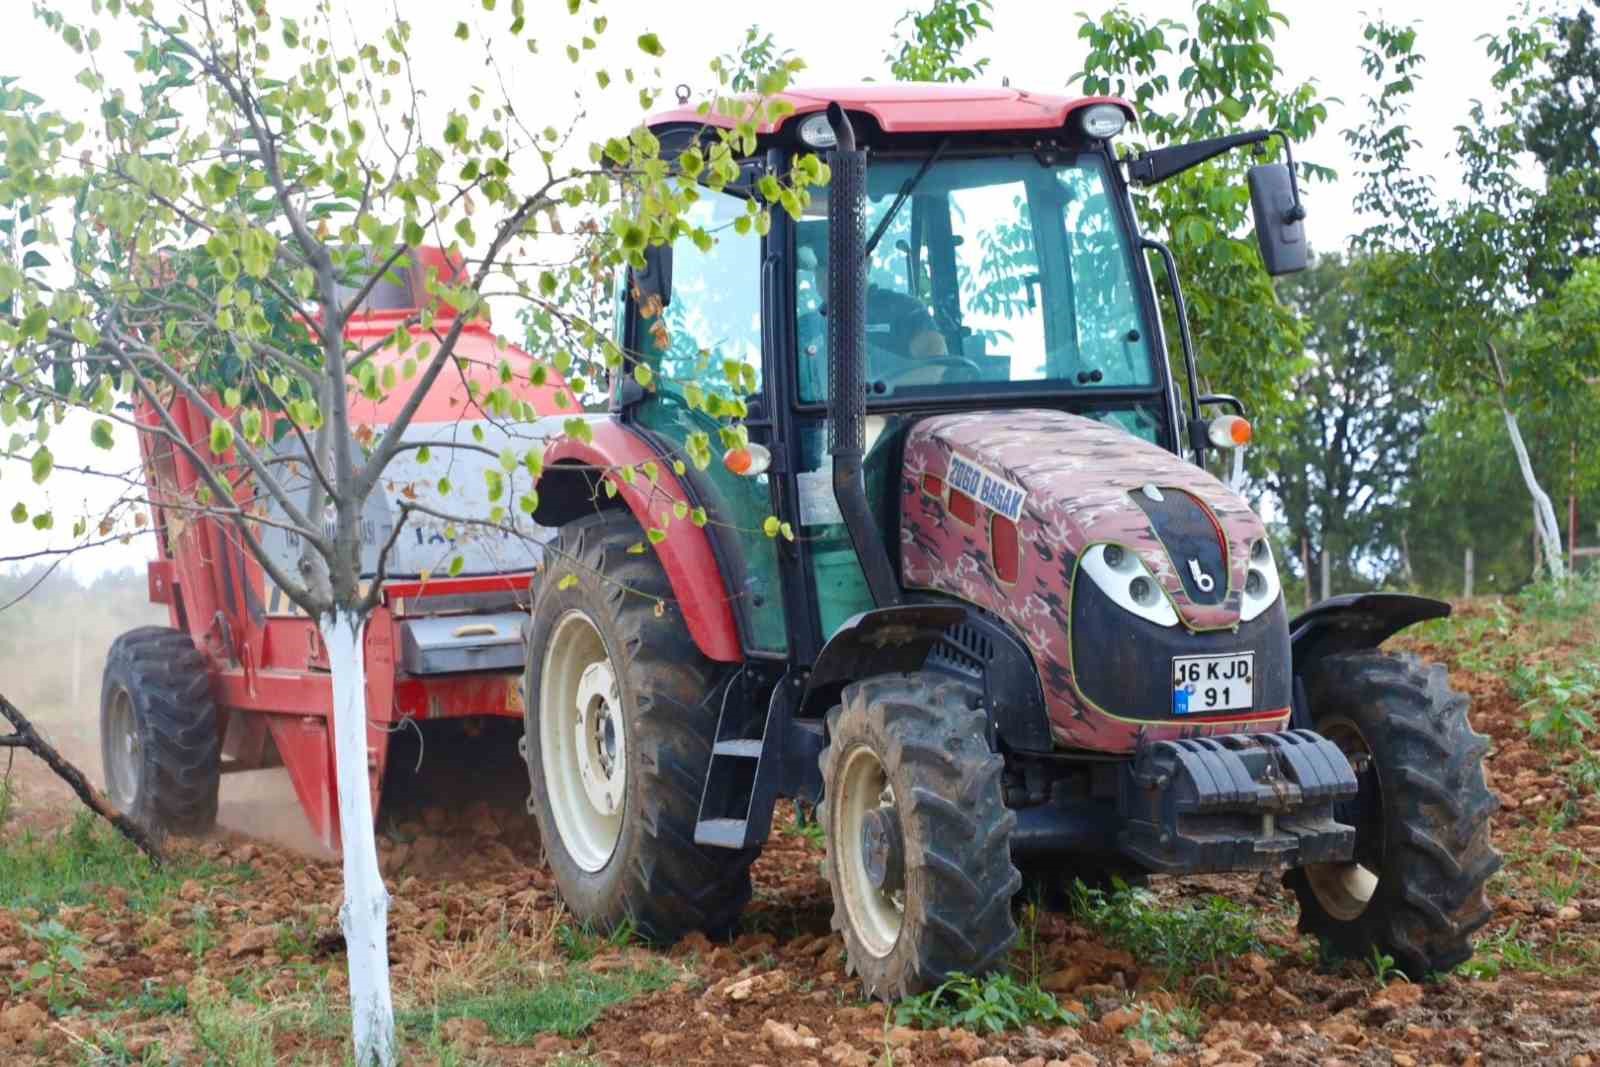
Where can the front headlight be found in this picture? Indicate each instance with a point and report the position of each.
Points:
(1122, 576)
(1261, 585)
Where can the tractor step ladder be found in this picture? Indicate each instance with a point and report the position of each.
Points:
(742, 780)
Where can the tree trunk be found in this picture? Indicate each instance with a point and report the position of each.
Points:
(1544, 513)
(365, 915)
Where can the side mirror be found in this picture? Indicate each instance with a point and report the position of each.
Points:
(656, 277)
(1280, 230)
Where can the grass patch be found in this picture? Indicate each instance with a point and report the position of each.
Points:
(1583, 773)
(1508, 950)
(983, 1005)
(1179, 940)
(75, 866)
(1164, 1031)
(1562, 704)
(566, 1004)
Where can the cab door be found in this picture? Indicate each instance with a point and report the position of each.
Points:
(702, 345)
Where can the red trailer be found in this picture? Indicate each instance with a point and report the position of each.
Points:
(436, 647)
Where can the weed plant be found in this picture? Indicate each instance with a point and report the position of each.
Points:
(1179, 940)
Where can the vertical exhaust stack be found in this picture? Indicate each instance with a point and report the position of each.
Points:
(847, 343)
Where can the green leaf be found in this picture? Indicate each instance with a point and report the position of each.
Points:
(771, 526)
(19, 512)
(650, 44)
(457, 565)
(42, 463)
(100, 433)
(567, 581)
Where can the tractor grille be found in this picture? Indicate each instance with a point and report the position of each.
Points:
(964, 649)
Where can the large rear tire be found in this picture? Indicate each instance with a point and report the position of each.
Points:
(918, 834)
(159, 742)
(621, 715)
(1415, 891)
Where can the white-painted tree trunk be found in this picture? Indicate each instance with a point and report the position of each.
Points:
(1544, 512)
(365, 915)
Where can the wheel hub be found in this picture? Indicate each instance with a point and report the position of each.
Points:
(883, 850)
(599, 737)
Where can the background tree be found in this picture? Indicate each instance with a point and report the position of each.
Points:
(1338, 455)
(1457, 280)
(926, 46)
(251, 179)
(1216, 77)
(1561, 112)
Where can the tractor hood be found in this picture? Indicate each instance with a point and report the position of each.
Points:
(1070, 483)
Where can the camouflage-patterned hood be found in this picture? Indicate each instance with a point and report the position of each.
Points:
(1070, 482)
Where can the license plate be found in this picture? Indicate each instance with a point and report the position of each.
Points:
(1204, 684)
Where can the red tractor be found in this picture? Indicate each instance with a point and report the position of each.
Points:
(1019, 627)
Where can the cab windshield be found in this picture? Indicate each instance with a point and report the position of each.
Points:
(998, 271)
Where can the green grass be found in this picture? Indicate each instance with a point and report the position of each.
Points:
(1583, 773)
(566, 1005)
(1508, 950)
(1178, 940)
(982, 1005)
(1164, 1031)
(77, 865)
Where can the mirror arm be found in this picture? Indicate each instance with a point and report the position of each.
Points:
(1148, 168)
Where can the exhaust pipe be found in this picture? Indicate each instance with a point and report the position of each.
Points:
(847, 344)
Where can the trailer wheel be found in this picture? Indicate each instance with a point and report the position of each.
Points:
(1415, 890)
(159, 742)
(919, 837)
(621, 715)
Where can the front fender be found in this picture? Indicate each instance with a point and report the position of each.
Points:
(567, 490)
(1356, 621)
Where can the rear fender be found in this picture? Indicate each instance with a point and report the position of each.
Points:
(1351, 623)
(570, 487)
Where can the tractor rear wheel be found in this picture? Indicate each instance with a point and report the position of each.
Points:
(1415, 889)
(621, 715)
(159, 742)
(918, 834)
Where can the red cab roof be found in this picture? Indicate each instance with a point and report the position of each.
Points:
(924, 108)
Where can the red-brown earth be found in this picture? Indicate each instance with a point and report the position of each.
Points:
(239, 960)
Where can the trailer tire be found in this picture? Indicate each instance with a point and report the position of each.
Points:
(652, 707)
(1421, 818)
(159, 741)
(913, 805)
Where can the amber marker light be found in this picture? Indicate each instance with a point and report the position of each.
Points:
(747, 461)
(1229, 431)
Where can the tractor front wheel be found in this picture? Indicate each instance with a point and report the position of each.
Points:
(621, 715)
(1415, 888)
(159, 741)
(918, 834)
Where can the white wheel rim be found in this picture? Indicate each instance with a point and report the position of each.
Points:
(862, 787)
(123, 752)
(582, 744)
(1343, 889)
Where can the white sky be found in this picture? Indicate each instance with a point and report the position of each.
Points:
(1034, 45)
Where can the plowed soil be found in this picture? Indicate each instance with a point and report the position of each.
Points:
(473, 908)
